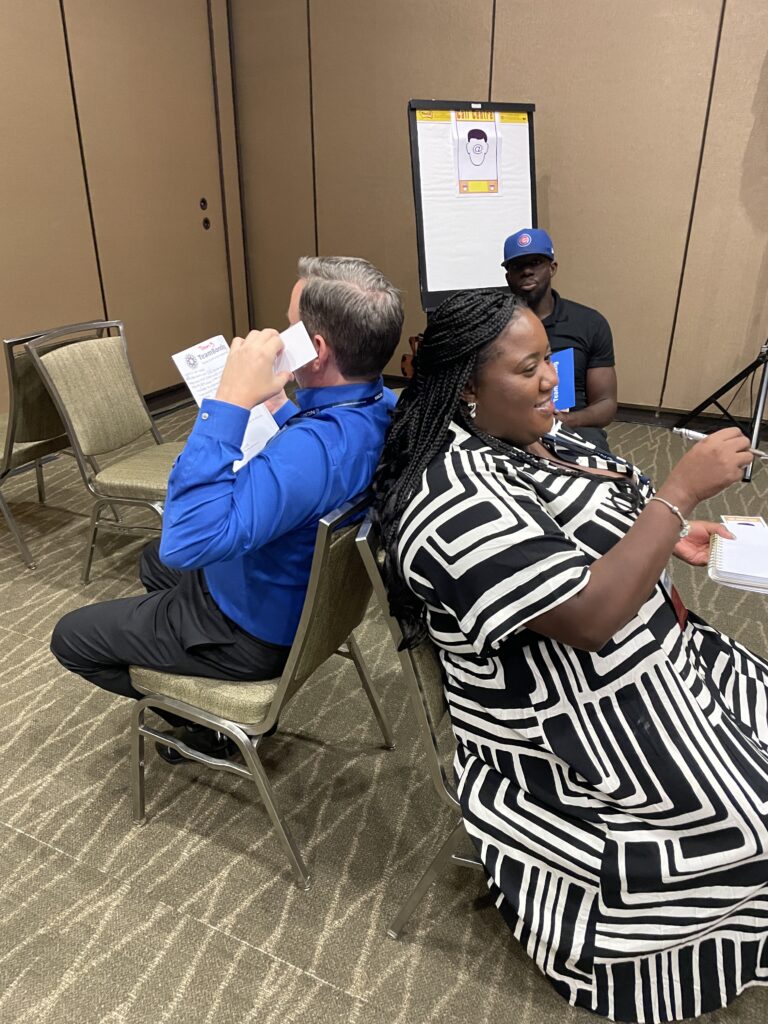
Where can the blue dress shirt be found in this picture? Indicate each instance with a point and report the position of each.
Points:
(253, 532)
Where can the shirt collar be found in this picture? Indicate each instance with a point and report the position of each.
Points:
(558, 313)
(317, 398)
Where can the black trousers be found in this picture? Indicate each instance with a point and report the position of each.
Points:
(175, 627)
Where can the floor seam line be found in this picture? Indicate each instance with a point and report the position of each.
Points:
(207, 924)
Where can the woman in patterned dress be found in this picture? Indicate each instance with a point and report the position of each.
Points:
(612, 749)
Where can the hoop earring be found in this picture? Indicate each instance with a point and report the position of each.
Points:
(472, 409)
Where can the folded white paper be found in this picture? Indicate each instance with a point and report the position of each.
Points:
(298, 350)
(201, 367)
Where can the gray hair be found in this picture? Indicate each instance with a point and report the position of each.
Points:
(355, 308)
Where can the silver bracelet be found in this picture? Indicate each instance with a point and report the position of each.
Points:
(685, 528)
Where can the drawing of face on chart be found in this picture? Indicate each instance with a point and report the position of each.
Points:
(477, 145)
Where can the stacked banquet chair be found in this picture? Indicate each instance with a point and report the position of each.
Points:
(86, 371)
(337, 598)
(33, 429)
(423, 675)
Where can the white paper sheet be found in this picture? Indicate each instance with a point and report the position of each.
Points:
(464, 234)
(259, 429)
(739, 559)
(298, 350)
(201, 367)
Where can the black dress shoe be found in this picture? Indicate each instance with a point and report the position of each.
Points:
(201, 739)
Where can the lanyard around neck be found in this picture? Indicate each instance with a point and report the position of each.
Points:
(352, 403)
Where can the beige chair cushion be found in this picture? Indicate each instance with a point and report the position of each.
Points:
(246, 702)
(27, 452)
(143, 475)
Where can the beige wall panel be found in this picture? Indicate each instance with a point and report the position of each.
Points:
(723, 315)
(48, 272)
(368, 60)
(620, 89)
(271, 68)
(230, 172)
(143, 80)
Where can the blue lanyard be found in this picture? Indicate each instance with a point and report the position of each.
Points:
(353, 403)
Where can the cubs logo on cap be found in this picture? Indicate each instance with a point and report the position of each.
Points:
(526, 242)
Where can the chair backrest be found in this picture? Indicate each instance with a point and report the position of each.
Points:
(422, 670)
(89, 377)
(32, 416)
(337, 598)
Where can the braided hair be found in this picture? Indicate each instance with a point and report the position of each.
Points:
(455, 344)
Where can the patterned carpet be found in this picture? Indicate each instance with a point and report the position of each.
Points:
(194, 917)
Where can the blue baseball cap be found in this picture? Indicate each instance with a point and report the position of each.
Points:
(527, 242)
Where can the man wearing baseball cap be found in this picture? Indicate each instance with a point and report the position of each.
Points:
(529, 260)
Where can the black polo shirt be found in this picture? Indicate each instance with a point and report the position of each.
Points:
(571, 325)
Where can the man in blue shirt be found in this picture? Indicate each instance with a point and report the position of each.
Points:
(226, 587)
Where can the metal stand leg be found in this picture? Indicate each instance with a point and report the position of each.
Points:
(444, 854)
(95, 514)
(16, 534)
(253, 763)
(757, 412)
(138, 802)
(40, 481)
(373, 698)
(757, 416)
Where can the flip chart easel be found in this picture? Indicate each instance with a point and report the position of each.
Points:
(474, 183)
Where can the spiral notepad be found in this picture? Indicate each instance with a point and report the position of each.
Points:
(743, 562)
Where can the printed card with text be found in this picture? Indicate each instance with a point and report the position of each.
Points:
(564, 395)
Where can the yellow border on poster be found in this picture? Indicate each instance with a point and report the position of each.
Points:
(433, 115)
(507, 117)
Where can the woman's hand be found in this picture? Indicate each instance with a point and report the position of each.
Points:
(694, 549)
(706, 469)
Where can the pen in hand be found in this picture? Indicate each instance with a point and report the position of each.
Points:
(696, 435)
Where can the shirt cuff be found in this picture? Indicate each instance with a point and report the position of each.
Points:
(222, 421)
(285, 412)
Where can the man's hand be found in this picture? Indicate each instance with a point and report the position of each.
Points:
(601, 400)
(249, 376)
(694, 549)
(276, 401)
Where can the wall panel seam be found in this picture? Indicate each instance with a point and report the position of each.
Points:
(312, 129)
(220, 152)
(240, 176)
(78, 129)
(493, 47)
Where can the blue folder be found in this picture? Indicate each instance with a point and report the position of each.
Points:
(564, 395)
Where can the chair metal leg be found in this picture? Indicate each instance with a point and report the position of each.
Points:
(444, 854)
(40, 481)
(253, 763)
(91, 543)
(138, 799)
(16, 534)
(373, 698)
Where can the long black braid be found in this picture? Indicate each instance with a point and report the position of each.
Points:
(459, 331)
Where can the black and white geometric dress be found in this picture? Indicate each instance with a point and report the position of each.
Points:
(618, 799)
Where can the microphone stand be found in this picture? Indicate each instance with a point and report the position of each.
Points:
(757, 411)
